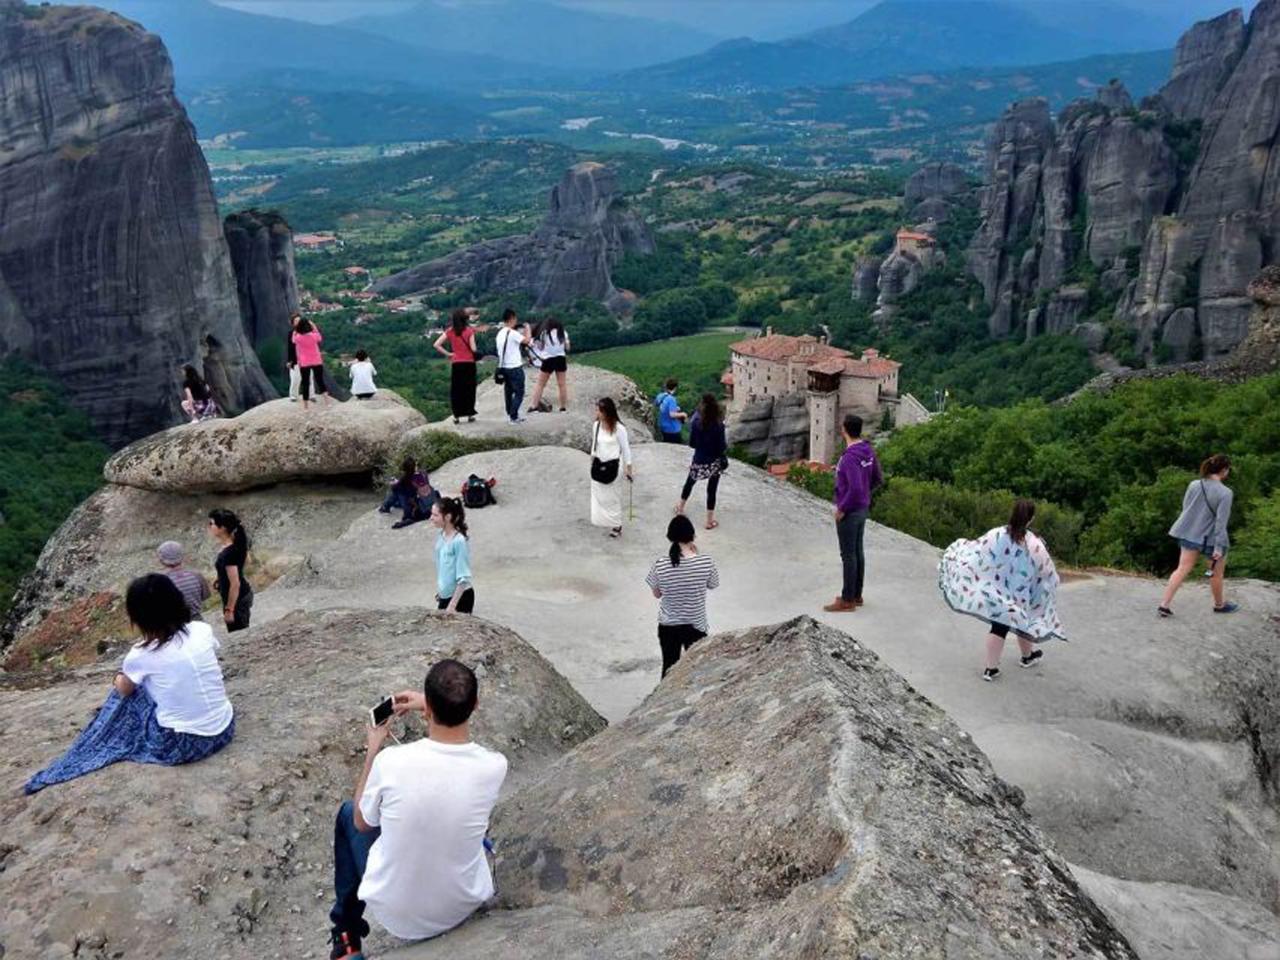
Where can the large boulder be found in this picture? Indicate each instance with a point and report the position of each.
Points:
(273, 442)
(232, 856)
(113, 267)
(112, 538)
(782, 794)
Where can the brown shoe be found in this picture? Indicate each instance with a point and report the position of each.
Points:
(840, 605)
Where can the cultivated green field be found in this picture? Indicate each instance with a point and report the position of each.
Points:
(697, 362)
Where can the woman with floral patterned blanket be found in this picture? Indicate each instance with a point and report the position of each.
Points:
(1007, 578)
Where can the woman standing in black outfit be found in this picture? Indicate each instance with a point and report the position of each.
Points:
(710, 446)
(233, 554)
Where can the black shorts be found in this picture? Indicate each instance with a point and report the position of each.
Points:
(555, 364)
(466, 602)
(999, 629)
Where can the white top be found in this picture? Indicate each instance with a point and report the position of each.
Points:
(427, 871)
(362, 374)
(606, 446)
(185, 681)
(508, 344)
(551, 345)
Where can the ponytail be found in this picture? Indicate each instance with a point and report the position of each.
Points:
(679, 532)
(228, 521)
(1024, 512)
(1215, 464)
(452, 508)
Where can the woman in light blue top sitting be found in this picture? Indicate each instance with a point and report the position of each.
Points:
(1202, 528)
(454, 593)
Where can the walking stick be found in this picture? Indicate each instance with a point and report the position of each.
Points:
(631, 500)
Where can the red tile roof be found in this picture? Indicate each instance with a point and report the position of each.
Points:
(913, 235)
(780, 348)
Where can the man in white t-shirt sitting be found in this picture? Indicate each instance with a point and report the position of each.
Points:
(410, 847)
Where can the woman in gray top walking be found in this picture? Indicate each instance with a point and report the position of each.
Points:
(1202, 528)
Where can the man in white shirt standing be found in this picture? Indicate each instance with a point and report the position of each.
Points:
(410, 847)
(511, 362)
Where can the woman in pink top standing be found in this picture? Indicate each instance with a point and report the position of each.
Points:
(461, 340)
(306, 337)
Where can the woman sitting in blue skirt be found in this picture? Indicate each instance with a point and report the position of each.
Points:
(167, 705)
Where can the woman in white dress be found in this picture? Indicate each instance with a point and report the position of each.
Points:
(610, 456)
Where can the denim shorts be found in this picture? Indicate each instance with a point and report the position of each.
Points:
(1205, 548)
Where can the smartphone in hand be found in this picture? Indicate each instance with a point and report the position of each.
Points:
(383, 712)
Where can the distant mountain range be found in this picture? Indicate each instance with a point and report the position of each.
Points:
(898, 37)
(209, 43)
(537, 32)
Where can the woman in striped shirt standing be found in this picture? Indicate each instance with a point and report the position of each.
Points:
(680, 582)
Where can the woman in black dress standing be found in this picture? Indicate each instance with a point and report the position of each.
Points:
(233, 553)
(461, 340)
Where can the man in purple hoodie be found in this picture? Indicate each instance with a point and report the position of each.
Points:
(856, 476)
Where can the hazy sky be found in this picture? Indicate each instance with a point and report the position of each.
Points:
(762, 19)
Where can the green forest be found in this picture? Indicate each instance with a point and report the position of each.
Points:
(1108, 470)
(52, 462)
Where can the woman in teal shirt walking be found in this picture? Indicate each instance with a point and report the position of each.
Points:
(454, 593)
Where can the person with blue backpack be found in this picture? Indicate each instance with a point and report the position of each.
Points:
(670, 417)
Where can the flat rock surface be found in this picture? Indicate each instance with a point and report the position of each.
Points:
(573, 427)
(233, 856)
(273, 442)
(1125, 741)
(784, 779)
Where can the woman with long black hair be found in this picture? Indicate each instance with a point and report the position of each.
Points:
(710, 449)
(197, 398)
(680, 582)
(167, 704)
(610, 455)
(461, 352)
(233, 554)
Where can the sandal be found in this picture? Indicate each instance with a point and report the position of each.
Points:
(615, 533)
(712, 524)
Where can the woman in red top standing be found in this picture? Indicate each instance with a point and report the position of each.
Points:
(461, 340)
(306, 337)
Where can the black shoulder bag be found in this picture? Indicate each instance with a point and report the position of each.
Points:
(602, 471)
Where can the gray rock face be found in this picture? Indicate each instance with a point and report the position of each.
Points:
(1179, 334)
(1206, 55)
(866, 278)
(1016, 153)
(569, 257)
(230, 853)
(1112, 181)
(777, 428)
(1113, 169)
(1064, 311)
(261, 248)
(850, 818)
(935, 180)
(113, 267)
(900, 274)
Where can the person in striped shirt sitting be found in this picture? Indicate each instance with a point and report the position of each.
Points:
(680, 582)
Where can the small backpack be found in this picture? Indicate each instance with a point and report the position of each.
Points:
(477, 492)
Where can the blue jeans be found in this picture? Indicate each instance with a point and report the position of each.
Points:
(350, 858)
(513, 390)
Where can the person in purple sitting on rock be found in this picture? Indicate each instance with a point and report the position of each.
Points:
(857, 474)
